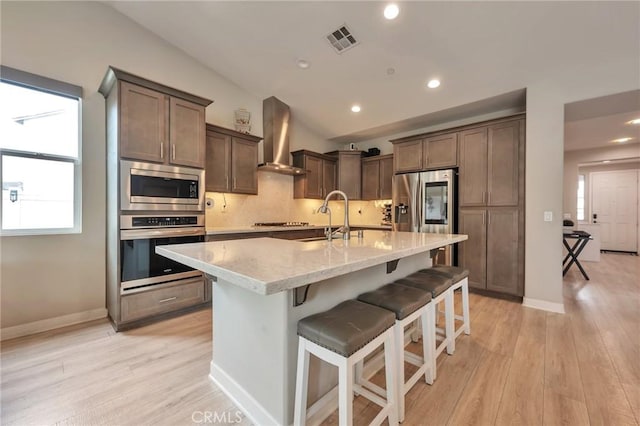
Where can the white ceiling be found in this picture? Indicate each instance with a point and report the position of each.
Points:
(482, 51)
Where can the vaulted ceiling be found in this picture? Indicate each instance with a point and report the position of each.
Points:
(484, 53)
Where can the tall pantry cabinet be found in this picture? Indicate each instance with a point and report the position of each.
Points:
(491, 205)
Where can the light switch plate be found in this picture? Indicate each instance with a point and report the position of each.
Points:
(548, 216)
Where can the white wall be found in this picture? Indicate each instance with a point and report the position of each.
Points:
(44, 277)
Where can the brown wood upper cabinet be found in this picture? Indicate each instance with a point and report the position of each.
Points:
(349, 173)
(425, 153)
(490, 165)
(377, 175)
(232, 161)
(440, 151)
(407, 156)
(320, 178)
(158, 127)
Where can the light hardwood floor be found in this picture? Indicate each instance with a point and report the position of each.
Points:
(519, 366)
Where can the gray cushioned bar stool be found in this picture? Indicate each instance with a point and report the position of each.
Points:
(343, 336)
(460, 278)
(439, 287)
(408, 304)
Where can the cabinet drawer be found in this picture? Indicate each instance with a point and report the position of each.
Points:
(161, 300)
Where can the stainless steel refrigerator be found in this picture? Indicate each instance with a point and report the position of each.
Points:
(426, 202)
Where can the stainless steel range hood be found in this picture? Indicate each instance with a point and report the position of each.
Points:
(276, 118)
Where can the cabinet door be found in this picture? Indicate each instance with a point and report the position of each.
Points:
(407, 156)
(218, 162)
(473, 167)
(440, 151)
(350, 175)
(143, 123)
(473, 252)
(329, 169)
(502, 251)
(187, 135)
(503, 164)
(313, 179)
(370, 180)
(244, 163)
(386, 178)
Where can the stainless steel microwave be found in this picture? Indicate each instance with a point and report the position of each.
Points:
(147, 186)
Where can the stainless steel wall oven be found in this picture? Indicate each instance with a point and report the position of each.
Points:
(140, 266)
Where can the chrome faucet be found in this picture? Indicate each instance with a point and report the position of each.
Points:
(324, 208)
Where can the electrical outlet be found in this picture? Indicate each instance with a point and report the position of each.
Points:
(548, 216)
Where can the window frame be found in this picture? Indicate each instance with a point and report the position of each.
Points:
(44, 84)
(581, 177)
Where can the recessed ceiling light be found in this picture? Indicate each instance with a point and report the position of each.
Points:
(634, 121)
(606, 161)
(304, 64)
(621, 140)
(355, 108)
(391, 11)
(432, 84)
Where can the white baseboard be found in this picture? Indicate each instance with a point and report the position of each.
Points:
(51, 323)
(251, 408)
(543, 305)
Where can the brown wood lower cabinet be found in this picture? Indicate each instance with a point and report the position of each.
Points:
(163, 298)
(494, 251)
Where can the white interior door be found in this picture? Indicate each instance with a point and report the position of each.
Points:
(614, 204)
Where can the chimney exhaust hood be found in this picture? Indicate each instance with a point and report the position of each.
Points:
(276, 118)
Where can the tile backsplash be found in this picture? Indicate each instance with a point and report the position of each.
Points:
(275, 203)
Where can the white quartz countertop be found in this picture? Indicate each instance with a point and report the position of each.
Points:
(219, 230)
(270, 265)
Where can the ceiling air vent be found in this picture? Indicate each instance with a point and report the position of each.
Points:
(342, 39)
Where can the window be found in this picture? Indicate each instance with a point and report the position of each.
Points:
(39, 154)
(580, 206)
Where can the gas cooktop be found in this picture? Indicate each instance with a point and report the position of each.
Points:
(285, 224)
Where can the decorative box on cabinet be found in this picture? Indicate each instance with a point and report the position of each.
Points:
(377, 175)
(156, 123)
(232, 160)
(320, 178)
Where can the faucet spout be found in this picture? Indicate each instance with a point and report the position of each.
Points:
(345, 227)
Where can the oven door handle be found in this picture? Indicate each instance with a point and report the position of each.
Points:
(140, 234)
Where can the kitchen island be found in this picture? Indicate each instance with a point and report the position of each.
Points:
(262, 288)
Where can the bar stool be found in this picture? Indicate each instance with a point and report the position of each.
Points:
(408, 304)
(439, 287)
(460, 278)
(343, 336)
